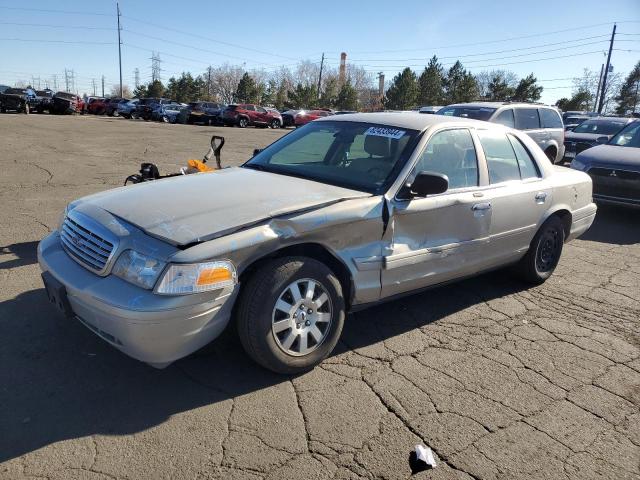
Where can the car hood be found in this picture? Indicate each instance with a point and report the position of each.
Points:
(581, 137)
(611, 155)
(199, 207)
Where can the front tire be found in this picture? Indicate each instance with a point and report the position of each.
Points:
(275, 123)
(242, 123)
(290, 314)
(544, 253)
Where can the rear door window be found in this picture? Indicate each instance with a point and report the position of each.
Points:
(501, 158)
(528, 168)
(527, 118)
(550, 118)
(505, 118)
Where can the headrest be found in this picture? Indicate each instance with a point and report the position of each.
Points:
(378, 146)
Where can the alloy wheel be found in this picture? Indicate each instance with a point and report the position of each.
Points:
(301, 318)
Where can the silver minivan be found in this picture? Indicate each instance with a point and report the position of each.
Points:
(541, 122)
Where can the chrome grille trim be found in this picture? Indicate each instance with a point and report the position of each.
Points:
(81, 242)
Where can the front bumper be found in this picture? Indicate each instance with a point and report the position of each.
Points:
(152, 328)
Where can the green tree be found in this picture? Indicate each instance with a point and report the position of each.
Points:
(499, 89)
(403, 92)
(155, 89)
(460, 85)
(627, 98)
(280, 96)
(431, 84)
(185, 88)
(581, 100)
(528, 90)
(347, 97)
(247, 91)
(140, 91)
(329, 95)
(302, 96)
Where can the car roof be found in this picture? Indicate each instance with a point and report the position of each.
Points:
(411, 120)
(500, 104)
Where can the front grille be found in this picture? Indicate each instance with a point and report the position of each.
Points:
(85, 246)
(612, 182)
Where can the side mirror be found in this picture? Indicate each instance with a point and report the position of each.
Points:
(602, 139)
(429, 183)
(256, 151)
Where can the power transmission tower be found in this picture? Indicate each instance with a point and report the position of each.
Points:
(155, 66)
(606, 71)
(103, 85)
(119, 47)
(93, 84)
(320, 75)
(55, 82)
(136, 77)
(66, 80)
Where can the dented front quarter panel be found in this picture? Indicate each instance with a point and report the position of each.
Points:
(351, 230)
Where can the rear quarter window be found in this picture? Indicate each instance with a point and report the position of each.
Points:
(527, 118)
(550, 118)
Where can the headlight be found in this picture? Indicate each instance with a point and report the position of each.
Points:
(577, 165)
(180, 279)
(62, 217)
(138, 269)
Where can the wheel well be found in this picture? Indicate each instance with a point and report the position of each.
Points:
(311, 250)
(565, 217)
(553, 149)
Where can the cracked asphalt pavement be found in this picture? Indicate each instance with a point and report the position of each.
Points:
(501, 380)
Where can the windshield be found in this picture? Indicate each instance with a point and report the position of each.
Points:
(356, 155)
(602, 127)
(628, 137)
(476, 113)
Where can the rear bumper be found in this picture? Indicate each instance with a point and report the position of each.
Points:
(582, 219)
(152, 328)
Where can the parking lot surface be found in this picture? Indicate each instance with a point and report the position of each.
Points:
(501, 380)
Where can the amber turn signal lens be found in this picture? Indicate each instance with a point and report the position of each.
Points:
(213, 275)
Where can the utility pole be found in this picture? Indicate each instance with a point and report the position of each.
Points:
(320, 76)
(380, 87)
(635, 102)
(209, 83)
(103, 85)
(595, 103)
(119, 47)
(606, 71)
(93, 85)
(55, 82)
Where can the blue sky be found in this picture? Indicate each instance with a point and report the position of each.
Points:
(37, 39)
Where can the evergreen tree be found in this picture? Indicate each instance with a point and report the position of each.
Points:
(499, 89)
(581, 100)
(329, 95)
(403, 92)
(347, 97)
(302, 96)
(461, 86)
(528, 90)
(627, 98)
(431, 84)
(281, 96)
(247, 91)
(155, 89)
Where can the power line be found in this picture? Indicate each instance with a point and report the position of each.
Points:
(79, 42)
(68, 12)
(82, 27)
(192, 34)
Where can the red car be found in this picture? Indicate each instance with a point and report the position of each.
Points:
(246, 114)
(97, 106)
(305, 116)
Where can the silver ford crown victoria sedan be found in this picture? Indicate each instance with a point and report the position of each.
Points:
(336, 216)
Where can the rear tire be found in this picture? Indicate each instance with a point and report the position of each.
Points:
(544, 253)
(242, 122)
(551, 155)
(275, 329)
(275, 123)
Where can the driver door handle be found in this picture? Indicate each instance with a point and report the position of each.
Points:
(481, 206)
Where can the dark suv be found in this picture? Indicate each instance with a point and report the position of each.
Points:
(146, 106)
(208, 113)
(246, 114)
(541, 122)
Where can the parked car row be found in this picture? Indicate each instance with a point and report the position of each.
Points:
(27, 100)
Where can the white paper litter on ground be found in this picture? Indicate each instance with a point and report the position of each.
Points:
(426, 455)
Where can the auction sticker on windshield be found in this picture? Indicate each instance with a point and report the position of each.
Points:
(385, 132)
